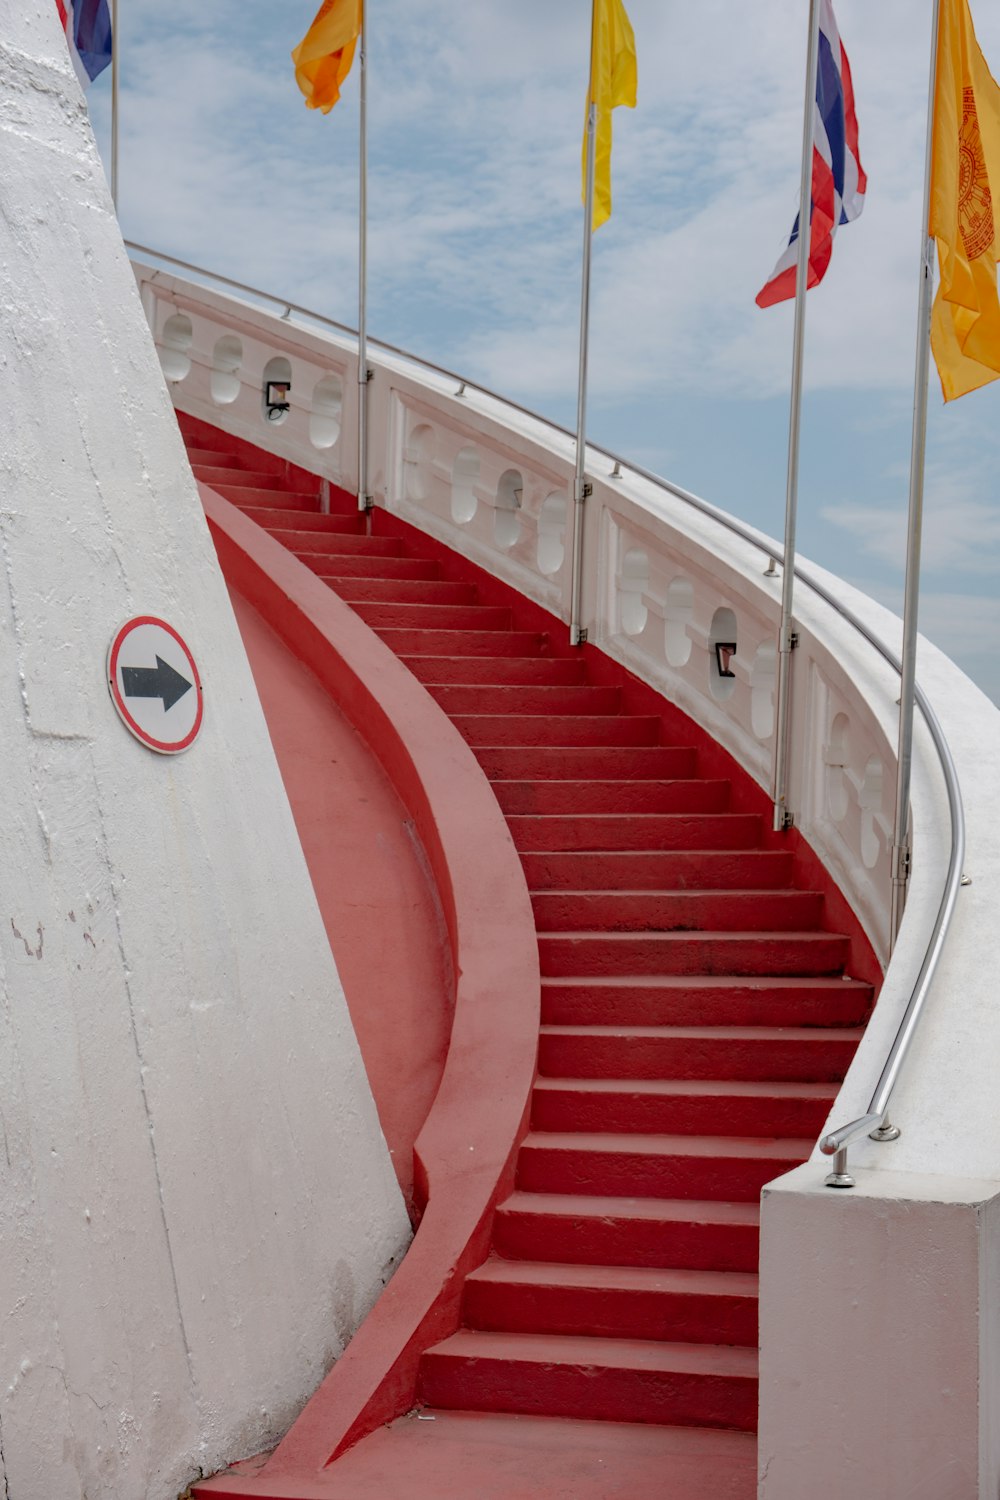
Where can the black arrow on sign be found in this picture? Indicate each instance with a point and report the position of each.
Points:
(161, 681)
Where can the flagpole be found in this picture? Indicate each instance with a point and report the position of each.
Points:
(114, 103)
(364, 499)
(578, 635)
(918, 449)
(786, 639)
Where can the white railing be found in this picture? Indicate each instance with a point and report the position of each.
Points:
(667, 578)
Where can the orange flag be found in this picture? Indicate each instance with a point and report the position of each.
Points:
(965, 208)
(323, 57)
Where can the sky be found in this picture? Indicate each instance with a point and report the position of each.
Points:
(475, 112)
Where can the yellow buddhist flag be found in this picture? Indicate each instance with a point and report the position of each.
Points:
(613, 81)
(965, 208)
(323, 57)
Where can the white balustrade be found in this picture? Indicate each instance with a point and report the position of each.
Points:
(664, 584)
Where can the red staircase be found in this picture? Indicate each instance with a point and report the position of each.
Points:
(696, 1014)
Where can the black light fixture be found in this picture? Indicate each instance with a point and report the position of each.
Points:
(724, 653)
(276, 403)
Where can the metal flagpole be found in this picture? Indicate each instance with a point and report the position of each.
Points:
(364, 499)
(581, 489)
(918, 445)
(114, 103)
(786, 638)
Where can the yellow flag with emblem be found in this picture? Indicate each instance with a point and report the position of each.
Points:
(323, 57)
(965, 208)
(613, 81)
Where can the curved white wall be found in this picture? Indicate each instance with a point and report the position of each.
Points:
(197, 1206)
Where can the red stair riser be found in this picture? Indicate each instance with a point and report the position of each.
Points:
(690, 953)
(588, 1392)
(468, 643)
(240, 478)
(419, 617)
(576, 762)
(273, 519)
(655, 870)
(616, 1239)
(677, 911)
(548, 798)
(545, 1168)
(717, 1113)
(349, 545)
(552, 671)
(819, 1057)
(726, 1001)
(366, 565)
(567, 729)
(525, 699)
(326, 542)
(608, 1312)
(250, 499)
(618, 832)
(352, 589)
(212, 458)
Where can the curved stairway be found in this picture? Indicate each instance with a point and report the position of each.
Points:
(696, 1014)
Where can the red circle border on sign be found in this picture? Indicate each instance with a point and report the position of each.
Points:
(165, 747)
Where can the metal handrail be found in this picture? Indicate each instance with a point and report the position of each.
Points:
(874, 1122)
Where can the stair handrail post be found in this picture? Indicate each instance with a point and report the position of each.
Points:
(783, 817)
(577, 634)
(364, 375)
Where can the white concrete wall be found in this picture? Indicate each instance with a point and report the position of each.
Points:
(196, 1204)
(880, 1317)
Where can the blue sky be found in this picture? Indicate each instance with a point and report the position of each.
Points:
(475, 114)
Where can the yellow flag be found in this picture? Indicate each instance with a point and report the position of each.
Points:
(323, 57)
(613, 80)
(965, 208)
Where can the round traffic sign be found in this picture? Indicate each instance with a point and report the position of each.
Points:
(155, 684)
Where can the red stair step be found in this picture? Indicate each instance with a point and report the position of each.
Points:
(558, 729)
(251, 498)
(416, 618)
(617, 832)
(602, 1379)
(551, 670)
(816, 1054)
(574, 762)
(348, 544)
(658, 1106)
(273, 519)
(596, 953)
(353, 589)
(369, 565)
(471, 643)
(330, 540)
(212, 457)
(658, 870)
(693, 999)
(638, 1302)
(521, 699)
(732, 1168)
(612, 1230)
(544, 798)
(677, 911)
(253, 479)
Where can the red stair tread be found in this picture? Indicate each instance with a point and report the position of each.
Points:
(706, 1146)
(658, 1210)
(693, 1088)
(711, 1033)
(618, 1278)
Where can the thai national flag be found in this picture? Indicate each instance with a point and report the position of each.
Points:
(838, 178)
(87, 24)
